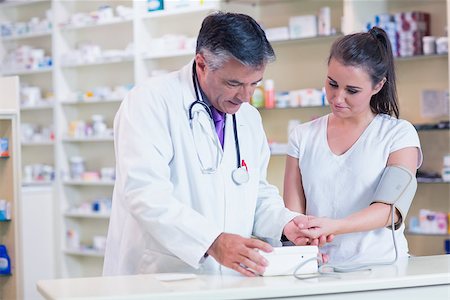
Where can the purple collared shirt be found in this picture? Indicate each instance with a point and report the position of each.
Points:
(219, 122)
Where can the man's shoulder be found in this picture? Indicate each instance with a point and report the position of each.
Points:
(162, 88)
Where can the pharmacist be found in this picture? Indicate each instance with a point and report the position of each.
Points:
(191, 153)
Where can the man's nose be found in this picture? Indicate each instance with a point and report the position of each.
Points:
(245, 93)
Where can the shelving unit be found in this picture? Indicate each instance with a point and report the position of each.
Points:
(301, 63)
(40, 114)
(11, 285)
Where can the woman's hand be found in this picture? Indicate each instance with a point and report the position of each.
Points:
(320, 227)
(298, 231)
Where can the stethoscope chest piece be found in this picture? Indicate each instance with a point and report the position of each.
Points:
(240, 175)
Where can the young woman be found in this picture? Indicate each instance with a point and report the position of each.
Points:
(335, 163)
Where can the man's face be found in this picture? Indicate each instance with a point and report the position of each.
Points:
(229, 86)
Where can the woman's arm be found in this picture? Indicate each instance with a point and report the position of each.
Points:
(294, 197)
(375, 216)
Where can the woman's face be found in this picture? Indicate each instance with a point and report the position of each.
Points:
(349, 90)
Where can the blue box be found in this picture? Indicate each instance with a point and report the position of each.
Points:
(154, 5)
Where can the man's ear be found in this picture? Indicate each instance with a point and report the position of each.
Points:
(201, 63)
(379, 86)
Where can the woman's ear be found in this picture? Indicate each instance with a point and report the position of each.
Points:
(379, 86)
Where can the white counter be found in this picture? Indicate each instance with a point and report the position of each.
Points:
(414, 278)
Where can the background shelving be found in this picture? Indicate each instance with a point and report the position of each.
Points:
(11, 285)
(34, 114)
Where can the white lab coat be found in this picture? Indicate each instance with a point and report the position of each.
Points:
(166, 213)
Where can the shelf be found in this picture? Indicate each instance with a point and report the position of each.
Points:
(85, 252)
(87, 102)
(38, 107)
(115, 21)
(37, 183)
(89, 183)
(180, 11)
(431, 180)
(86, 215)
(445, 235)
(38, 143)
(27, 36)
(88, 139)
(17, 3)
(28, 72)
(420, 57)
(319, 38)
(169, 54)
(292, 107)
(104, 61)
(255, 2)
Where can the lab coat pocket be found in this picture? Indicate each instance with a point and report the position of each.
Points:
(154, 261)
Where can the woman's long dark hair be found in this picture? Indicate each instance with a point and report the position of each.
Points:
(371, 51)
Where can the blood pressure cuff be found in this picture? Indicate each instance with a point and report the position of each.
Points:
(397, 187)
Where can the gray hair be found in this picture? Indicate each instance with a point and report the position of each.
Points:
(225, 36)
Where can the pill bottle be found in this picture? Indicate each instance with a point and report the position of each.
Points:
(257, 99)
(269, 94)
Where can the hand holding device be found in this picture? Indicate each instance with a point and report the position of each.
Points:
(240, 254)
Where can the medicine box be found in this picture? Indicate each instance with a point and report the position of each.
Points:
(303, 26)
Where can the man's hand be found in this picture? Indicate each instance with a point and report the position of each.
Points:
(239, 253)
(299, 231)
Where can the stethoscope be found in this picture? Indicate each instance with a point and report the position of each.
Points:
(240, 174)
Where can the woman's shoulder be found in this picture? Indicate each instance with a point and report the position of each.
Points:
(390, 123)
(310, 128)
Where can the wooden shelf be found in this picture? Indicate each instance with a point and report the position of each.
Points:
(441, 235)
(10, 185)
(313, 39)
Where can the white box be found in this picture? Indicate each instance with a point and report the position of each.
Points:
(277, 33)
(284, 260)
(303, 26)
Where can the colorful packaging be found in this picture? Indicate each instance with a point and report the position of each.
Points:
(4, 147)
(5, 262)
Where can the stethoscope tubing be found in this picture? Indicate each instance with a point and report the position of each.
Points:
(208, 110)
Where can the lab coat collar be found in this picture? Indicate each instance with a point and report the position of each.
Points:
(188, 85)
